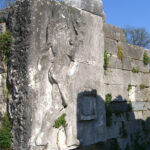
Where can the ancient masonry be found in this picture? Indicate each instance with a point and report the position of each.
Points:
(64, 93)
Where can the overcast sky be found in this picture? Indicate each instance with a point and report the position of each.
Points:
(135, 13)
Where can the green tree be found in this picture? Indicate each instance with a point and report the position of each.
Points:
(6, 3)
(137, 36)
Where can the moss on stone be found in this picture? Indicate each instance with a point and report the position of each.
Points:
(120, 52)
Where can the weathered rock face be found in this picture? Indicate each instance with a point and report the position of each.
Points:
(56, 63)
(3, 76)
(125, 86)
(58, 81)
(65, 57)
(93, 6)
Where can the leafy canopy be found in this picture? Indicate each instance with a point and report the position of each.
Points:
(137, 36)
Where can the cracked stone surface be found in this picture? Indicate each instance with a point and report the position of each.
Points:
(56, 67)
(59, 56)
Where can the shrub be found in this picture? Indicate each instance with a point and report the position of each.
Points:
(106, 60)
(129, 87)
(60, 121)
(146, 59)
(134, 70)
(120, 52)
(108, 98)
(5, 133)
(5, 45)
(6, 93)
(142, 86)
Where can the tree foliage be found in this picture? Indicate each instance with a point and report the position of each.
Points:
(5, 45)
(5, 133)
(137, 36)
(6, 3)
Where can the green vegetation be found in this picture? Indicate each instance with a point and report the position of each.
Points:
(6, 93)
(138, 36)
(129, 87)
(60, 121)
(142, 86)
(5, 133)
(110, 54)
(106, 60)
(5, 127)
(5, 46)
(134, 70)
(120, 52)
(6, 3)
(146, 59)
(108, 98)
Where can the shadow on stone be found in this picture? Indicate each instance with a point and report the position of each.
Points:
(124, 133)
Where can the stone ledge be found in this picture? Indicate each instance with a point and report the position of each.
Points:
(127, 64)
(124, 77)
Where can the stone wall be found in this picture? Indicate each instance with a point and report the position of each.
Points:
(56, 62)
(126, 88)
(58, 83)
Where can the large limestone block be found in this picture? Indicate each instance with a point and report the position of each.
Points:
(132, 51)
(139, 65)
(114, 33)
(114, 62)
(94, 6)
(142, 94)
(127, 63)
(62, 65)
(140, 106)
(113, 89)
(143, 115)
(124, 77)
(117, 76)
(110, 46)
(145, 79)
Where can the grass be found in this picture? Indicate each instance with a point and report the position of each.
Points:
(120, 52)
(142, 86)
(134, 70)
(60, 121)
(146, 59)
(106, 60)
(108, 98)
(129, 87)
